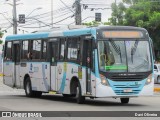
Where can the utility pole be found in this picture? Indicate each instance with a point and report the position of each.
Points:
(14, 18)
(52, 13)
(78, 17)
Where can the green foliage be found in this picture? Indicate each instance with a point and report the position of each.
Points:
(95, 23)
(117, 14)
(1, 35)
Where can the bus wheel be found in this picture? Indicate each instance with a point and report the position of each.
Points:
(124, 100)
(79, 97)
(28, 88)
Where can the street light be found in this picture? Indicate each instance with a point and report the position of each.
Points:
(52, 13)
(33, 11)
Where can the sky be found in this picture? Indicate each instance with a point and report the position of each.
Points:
(38, 19)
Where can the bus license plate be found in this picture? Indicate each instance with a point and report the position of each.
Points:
(127, 90)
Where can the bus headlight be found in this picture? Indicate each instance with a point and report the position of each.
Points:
(104, 81)
(149, 79)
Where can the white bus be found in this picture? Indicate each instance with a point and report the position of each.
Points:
(92, 62)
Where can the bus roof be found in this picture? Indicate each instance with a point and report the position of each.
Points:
(27, 36)
(73, 32)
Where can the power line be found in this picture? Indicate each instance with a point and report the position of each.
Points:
(67, 6)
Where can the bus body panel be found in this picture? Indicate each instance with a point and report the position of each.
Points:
(54, 78)
(8, 68)
(148, 89)
(39, 75)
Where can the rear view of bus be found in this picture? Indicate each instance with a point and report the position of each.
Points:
(125, 63)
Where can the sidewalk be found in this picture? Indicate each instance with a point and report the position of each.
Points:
(5, 90)
(156, 87)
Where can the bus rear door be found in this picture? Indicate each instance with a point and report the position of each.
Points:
(16, 59)
(53, 48)
(87, 62)
(8, 65)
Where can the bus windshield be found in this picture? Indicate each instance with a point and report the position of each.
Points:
(125, 55)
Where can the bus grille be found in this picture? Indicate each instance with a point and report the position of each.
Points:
(127, 78)
(120, 92)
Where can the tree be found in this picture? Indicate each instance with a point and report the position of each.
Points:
(1, 35)
(117, 14)
(95, 23)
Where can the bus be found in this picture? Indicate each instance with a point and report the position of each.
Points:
(95, 62)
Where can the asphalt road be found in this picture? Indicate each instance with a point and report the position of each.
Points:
(15, 100)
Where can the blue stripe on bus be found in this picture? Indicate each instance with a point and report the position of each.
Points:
(96, 65)
(63, 83)
(27, 36)
(84, 67)
(77, 32)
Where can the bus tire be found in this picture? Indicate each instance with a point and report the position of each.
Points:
(79, 97)
(124, 100)
(28, 88)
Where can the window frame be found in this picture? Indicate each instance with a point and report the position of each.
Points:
(78, 43)
(21, 50)
(59, 46)
(42, 46)
(5, 51)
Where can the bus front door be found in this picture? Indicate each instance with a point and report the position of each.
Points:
(16, 72)
(53, 47)
(87, 61)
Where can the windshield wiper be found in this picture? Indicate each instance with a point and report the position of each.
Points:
(133, 49)
(116, 48)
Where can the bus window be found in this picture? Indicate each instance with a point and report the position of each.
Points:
(73, 49)
(8, 54)
(24, 50)
(62, 49)
(44, 48)
(36, 53)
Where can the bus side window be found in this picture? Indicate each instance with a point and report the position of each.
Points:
(36, 51)
(8, 51)
(73, 49)
(25, 50)
(62, 49)
(44, 50)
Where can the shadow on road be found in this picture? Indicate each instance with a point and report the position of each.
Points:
(90, 102)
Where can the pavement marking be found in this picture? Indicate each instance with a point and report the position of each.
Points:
(1, 74)
(51, 92)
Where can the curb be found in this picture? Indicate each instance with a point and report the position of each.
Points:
(156, 89)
